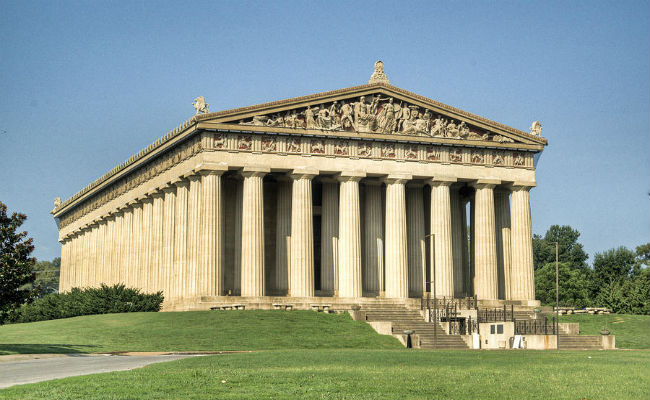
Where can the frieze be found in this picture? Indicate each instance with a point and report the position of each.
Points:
(134, 179)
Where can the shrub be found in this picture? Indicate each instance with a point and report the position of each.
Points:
(88, 301)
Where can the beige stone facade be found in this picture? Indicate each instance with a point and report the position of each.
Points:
(350, 195)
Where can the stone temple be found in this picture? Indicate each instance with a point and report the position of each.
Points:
(367, 196)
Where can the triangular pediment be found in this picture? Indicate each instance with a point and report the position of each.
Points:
(375, 109)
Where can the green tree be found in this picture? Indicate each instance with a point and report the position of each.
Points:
(572, 283)
(47, 276)
(16, 265)
(569, 250)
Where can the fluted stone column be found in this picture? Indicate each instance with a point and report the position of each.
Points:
(282, 235)
(252, 238)
(145, 246)
(135, 269)
(329, 236)
(485, 248)
(65, 265)
(472, 241)
(373, 247)
(301, 281)
(109, 278)
(522, 278)
(443, 241)
(97, 249)
(458, 245)
(211, 274)
(349, 276)
(415, 238)
(92, 255)
(396, 243)
(116, 262)
(78, 267)
(177, 289)
(169, 235)
(102, 246)
(127, 245)
(239, 202)
(504, 255)
(86, 265)
(193, 234)
(157, 217)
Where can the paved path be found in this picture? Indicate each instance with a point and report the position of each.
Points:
(19, 372)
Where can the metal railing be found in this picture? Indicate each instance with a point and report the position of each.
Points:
(536, 327)
(466, 303)
(496, 314)
(462, 326)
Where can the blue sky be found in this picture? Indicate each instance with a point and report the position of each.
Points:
(84, 85)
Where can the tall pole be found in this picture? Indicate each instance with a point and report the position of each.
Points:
(557, 296)
(433, 282)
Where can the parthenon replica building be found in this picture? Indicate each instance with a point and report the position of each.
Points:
(348, 197)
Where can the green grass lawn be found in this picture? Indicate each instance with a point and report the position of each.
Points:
(368, 374)
(632, 331)
(188, 331)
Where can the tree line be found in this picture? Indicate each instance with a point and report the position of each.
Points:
(618, 278)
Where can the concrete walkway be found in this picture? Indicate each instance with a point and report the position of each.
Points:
(43, 367)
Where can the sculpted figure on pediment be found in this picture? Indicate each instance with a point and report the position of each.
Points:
(452, 130)
(323, 120)
(334, 114)
(410, 126)
(364, 120)
(502, 139)
(310, 118)
(277, 120)
(402, 116)
(346, 116)
(386, 119)
(463, 130)
(438, 127)
(477, 136)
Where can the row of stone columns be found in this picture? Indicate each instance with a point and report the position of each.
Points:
(173, 239)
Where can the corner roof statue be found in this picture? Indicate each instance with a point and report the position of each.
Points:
(536, 128)
(200, 106)
(379, 75)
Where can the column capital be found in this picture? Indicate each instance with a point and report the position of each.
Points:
(180, 182)
(304, 173)
(147, 199)
(485, 183)
(521, 185)
(192, 176)
(350, 176)
(397, 178)
(207, 168)
(441, 181)
(157, 193)
(255, 171)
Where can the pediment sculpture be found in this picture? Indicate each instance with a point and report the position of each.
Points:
(375, 114)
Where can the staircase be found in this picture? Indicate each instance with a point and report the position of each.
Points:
(403, 319)
(580, 342)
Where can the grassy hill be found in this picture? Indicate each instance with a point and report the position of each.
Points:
(632, 331)
(192, 331)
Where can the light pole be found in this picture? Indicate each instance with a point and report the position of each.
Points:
(433, 283)
(557, 297)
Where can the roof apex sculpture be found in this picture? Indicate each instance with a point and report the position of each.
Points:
(379, 75)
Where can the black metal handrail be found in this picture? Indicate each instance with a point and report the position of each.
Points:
(496, 314)
(536, 327)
